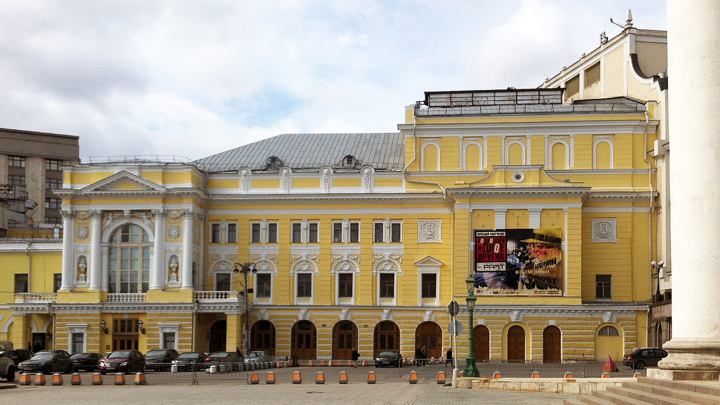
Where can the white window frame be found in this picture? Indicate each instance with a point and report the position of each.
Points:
(219, 239)
(387, 231)
(270, 274)
(436, 299)
(395, 288)
(305, 300)
(231, 236)
(305, 231)
(215, 280)
(345, 300)
(169, 327)
(265, 231)
(77, 328)
(610, 140)
(345, 231)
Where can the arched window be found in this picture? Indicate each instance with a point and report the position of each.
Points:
(350, 162)
(129, 260)
(608, 331)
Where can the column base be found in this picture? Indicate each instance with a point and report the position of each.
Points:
(688, 357)
(683, 375)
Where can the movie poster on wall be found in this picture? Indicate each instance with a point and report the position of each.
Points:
(518, 261)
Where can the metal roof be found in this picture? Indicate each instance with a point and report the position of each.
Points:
(382, 151)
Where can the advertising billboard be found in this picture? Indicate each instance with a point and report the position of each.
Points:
(518, 260)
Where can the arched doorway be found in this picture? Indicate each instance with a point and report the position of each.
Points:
(608, 342)
(218, 334)
(429, 334)
(481, 343)
(262, 337)
(516, 344)
(303, 337)
(386, 337)
(344, 339)
(551, 344)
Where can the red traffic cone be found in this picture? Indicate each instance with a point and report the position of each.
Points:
(609, 366)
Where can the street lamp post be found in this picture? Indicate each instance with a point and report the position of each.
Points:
(658, 268)
(470, 368)
(245, 268)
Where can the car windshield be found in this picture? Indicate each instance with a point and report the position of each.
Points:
(388, 354)
(156, 353)
(119, 355)
(254, 354)
(42, 356)
(189, 356)
(219, 355)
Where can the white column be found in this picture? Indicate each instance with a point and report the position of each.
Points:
(67, 251)
(157, 270)
(694, 94)
(95, 266)
(187, 254)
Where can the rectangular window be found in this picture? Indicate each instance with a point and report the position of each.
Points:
(53, 220)
(396, 232)
(272, 233)
(603, 286)
(168, 340)
(51, 164)
(223, 282)
(232, 233)
(255, 233)
(21, 283)
(57, 281)
(296, 233)
(337, 232)
(345, 285)
(53, 203)
(53, 184)
(78, 343)
(214, 233)
(379, 232)
(16, 180)
(313, 233)
(304, 285)
(429, 286)
(354, 232)
(264, 285)
(387, 285)
(16, 161)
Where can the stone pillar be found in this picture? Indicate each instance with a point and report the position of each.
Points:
(157, 270)
(694, 93)
(95, 277)
(187, 254)
(66, 283)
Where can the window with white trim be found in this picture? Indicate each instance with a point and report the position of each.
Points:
(223, 282)
(387, 285)
(387, 231)
(603, 286)
(346, 282)
(232, 232)
(428, 285)
(215, 233)
(303, 285)
(264, 232)
(169, 340)
(263, 285)
(304, 232)
(346, 232)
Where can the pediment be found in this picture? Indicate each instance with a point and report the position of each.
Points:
(124, 181)
(429, 261)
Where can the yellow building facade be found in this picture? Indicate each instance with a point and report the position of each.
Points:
(361, 240)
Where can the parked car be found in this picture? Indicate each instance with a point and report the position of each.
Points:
(129, 361)
(7, 369)
(17, 355)
(258, 356)
(48, 361)
(231, 359)
(86, 361)
(190, 361)
(388, 358)
(641, 358)
(160, 359)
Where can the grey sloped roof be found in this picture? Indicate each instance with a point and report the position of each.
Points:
(382, 151)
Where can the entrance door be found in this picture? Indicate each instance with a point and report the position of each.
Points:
(429, 334)
(387, 337)
(303, 340)
(38, 341)
(481, 343)
(551, 345)
(125, 334)
(218, 337)
(262, 337)
(516, 344)
(344, 339)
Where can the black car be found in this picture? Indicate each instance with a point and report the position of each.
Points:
(47, 362)
(231, 360)
(388, 358)
(641, 358)
(17, 355)
(128, 361)
(190, 361)
(86, 361)
(160, 359)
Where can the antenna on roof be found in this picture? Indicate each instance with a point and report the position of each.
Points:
(628, 20)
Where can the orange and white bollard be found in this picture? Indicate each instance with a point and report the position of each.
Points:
(441, 377)
(119, 378)
(371, 377)
(568, 374)
(320, 377)
(497, 375)
(97, 379)
(297, 378)
(413, 377)
(57, 379)
(535, 374)
(39, 379)
(270, 378)
(75, 380)
(140, 378)
(254, 378)
(343, 378)
(24, 379)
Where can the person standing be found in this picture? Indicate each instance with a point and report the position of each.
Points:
(355, 357)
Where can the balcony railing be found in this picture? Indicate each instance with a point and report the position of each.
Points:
(126, 297)
(36, 297)
(229, 296)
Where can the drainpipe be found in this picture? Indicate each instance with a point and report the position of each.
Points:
(650, 218)
(29, 262)
(404, 171)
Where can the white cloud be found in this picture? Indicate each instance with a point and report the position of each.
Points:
(197, 78)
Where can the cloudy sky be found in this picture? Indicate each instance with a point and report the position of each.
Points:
(194, 78)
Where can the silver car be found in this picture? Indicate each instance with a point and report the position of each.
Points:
(258, 356)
